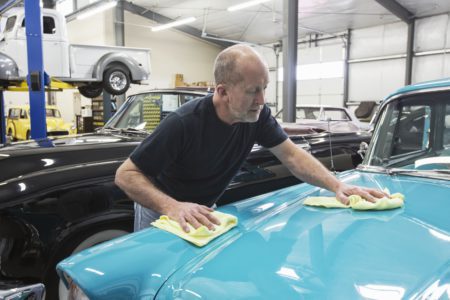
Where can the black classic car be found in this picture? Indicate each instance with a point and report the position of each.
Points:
(57, 196)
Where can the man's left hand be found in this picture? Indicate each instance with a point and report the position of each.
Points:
(368, 194)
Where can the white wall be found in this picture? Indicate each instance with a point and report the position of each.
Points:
(172, 52)
(327, 91)
(373, 80)
(432, 34)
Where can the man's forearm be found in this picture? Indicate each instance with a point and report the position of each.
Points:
(304, 166)
(142, 190)
(308, 169)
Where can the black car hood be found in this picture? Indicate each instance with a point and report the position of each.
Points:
(23, 158)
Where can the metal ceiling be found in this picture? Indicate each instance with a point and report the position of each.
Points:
(262, 24)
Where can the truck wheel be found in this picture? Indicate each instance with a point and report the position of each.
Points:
(91, 90)
(27, 137)
(10, 135)
(116, 80)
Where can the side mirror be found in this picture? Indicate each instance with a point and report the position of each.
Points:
(363, 149)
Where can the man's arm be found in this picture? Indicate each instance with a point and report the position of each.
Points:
(308, 169)
(141, 189)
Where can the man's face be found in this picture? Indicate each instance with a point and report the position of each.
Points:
(246, 98)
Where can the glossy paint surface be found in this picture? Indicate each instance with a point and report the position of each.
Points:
(284, 250)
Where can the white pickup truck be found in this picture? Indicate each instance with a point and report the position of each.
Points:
(91, 68)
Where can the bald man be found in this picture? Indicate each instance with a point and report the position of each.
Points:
(184, 166)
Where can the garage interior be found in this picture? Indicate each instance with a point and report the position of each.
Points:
(346, 52)
(60, 148)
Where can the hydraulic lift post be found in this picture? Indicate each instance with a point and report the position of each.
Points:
(2, 120)
(36, 73)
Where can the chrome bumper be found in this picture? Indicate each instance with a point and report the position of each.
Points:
(34, 291)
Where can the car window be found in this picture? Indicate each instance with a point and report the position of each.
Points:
(52, 113)
(334, 115)
(446, 139)
(23, 114)
(308, 113)
(411, 131)
(49, 26)
(14, 113)
(10, 23)
(145, 111)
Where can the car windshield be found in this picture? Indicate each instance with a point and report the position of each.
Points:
(52, 113)
(308, 113)
(334, 114)
(413, 133)
(145, 111)
(327, 113)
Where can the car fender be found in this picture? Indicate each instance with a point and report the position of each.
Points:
(136, 71)
(9, 69)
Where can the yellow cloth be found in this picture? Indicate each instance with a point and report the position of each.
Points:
(202, 235)
(357, 202)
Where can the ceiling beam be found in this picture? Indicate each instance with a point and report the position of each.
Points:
(5, 4)
(396, 9)
(154, 16)
(73, 15)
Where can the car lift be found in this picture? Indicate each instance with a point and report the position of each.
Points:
(36, 75)
(37, 80)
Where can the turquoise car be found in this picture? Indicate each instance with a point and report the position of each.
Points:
(282, 249)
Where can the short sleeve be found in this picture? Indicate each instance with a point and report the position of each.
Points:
(161, 148)
(270, 133)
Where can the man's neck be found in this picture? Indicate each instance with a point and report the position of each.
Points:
(222, 111)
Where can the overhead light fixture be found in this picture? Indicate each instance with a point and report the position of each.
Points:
(96, 9)
(246, 4)
(173, 24)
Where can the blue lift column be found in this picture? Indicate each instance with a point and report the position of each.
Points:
(33, 19)
(2, 119)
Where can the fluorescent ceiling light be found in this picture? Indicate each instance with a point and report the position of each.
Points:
(246, 4)
(97, 9)
(173, 24)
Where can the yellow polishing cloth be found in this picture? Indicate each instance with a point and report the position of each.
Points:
(358, 203)
(202, 235)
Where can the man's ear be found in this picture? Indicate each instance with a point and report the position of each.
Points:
(221, 90)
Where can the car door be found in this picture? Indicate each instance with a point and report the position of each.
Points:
(23, 125)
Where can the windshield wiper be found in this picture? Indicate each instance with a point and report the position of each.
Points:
(133, 130)
(415, 172)
(123, 130)
(108, 129)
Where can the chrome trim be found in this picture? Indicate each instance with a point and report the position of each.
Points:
(34, 291)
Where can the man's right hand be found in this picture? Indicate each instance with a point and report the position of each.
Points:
(194, 214)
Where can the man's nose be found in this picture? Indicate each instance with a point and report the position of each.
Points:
(260, 99)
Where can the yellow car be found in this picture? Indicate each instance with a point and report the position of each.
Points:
(18, 123)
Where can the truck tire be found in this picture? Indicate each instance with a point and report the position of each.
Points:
(116, 80)
(91, 90)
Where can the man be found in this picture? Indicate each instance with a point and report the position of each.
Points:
(184, 166)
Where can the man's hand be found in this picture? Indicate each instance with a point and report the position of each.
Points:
(194, 214)
(369, 194)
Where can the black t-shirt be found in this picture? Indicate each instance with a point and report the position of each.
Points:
(193, 155)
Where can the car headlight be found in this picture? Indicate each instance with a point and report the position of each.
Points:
(75, 293)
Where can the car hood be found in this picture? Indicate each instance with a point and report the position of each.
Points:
(55, 124)
(282, 249)
(319, 126)
(34, 158)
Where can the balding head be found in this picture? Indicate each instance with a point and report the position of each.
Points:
(229, 62)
